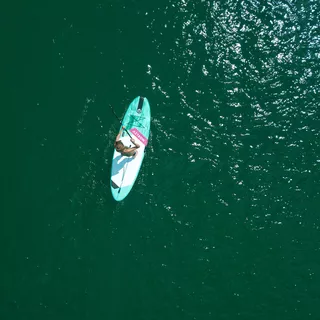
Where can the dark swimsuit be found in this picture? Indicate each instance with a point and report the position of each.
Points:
(131, 155)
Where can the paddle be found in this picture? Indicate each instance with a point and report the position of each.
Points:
(120, 121)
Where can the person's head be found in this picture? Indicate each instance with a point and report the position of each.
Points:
(119, 146)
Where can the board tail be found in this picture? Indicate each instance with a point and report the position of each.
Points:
(114, 185)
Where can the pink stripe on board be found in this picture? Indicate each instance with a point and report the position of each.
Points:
(139, 135)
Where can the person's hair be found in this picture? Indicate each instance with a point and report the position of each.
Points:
(119, 145)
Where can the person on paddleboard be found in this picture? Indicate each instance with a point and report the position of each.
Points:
(126, 151)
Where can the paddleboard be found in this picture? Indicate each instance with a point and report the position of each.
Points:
(125, 170)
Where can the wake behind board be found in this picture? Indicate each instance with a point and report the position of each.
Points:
(125, 170)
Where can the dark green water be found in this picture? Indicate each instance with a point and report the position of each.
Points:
(223, 221)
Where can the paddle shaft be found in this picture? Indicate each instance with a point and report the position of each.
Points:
(120, 121)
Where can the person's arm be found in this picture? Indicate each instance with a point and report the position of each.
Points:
(134, 142)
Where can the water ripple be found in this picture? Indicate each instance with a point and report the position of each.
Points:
(250, 97)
